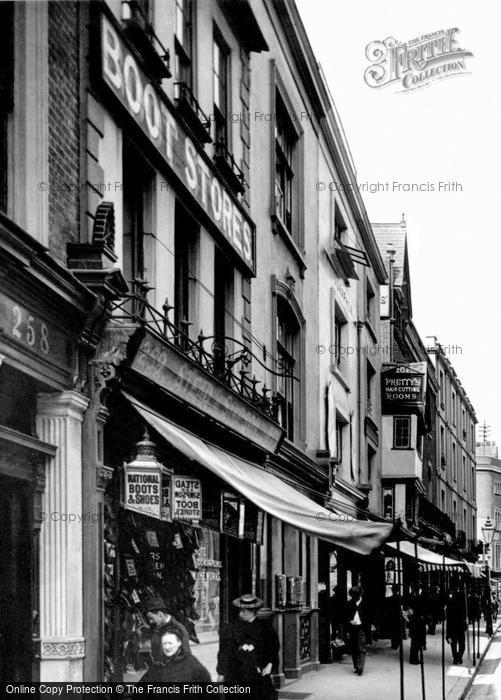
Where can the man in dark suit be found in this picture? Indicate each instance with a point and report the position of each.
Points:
(456, 624)
(359, 627)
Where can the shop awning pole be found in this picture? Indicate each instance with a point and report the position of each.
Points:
(467, 628)
(417, 629)
(478, 626)
(400, 636)
(443, 626)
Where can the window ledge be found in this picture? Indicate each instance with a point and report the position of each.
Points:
(369, 327)
(279, 227)
(340, 377)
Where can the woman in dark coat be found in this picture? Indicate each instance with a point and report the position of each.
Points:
(177, 665)
(248, 649)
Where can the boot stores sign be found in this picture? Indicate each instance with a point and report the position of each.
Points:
(415, 63)
(154, 114)
(403, 388)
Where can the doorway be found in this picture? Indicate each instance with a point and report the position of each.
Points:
(16, 608)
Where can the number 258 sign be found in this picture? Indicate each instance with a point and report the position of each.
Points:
(28, 329)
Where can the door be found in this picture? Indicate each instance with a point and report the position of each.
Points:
(237, 573)
(15, 581)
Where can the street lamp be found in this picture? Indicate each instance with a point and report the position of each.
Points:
(488, 533)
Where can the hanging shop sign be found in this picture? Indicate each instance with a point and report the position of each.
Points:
(166, 506)
(186, 498)
(253, 523)
(384, 300)
(168, 368)
(403, 388)
(143, 481)
(153, 112)
(232, 514)
(211, 509)
(143, 492)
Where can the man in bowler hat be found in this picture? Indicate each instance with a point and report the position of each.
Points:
(161, 621)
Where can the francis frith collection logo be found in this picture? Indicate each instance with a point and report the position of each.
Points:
(415, 63)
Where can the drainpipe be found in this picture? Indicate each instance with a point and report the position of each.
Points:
(390, 251)
(359, 402)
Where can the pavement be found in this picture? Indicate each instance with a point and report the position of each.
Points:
(487, 682)
(381, 677)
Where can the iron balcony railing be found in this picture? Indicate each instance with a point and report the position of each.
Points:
(211, 353)
(184, 96)
(133, 15)
(225, 160)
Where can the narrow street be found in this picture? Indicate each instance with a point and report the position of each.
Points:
(487, 684)
(381, 679)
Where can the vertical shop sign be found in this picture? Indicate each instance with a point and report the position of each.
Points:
(187, 498)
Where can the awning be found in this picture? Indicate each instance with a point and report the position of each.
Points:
(474, 569)
(425, 556)
(268, 492)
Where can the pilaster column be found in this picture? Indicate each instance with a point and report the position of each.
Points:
(62, 645)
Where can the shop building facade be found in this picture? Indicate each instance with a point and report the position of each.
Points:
(408, 385)
(428, 420)
(454, 487)
(488, 498)
(162, 282)
(43, 309)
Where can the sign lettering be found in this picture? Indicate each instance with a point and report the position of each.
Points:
(187, 498)
(143, 492)
(403, 389)
(153, 113)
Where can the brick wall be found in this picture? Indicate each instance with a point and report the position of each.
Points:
(64, 125)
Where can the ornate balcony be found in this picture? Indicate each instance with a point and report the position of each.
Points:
(210, 353)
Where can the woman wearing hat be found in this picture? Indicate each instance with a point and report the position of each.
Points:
(248, 648)
(177, 664)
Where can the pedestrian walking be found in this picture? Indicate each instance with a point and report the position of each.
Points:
(434, 612)
(324, 623)
(176, 664)
(248, 649)
(159, 618)
(456, 624)
(487, 611)
(495, 607)
(337, 606)
(417, 627)
(358, 619)
(397, 626)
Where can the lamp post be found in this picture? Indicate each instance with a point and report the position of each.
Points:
(488, 534)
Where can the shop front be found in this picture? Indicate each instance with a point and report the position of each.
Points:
(42, 309)
(172, 533)
(192, 516)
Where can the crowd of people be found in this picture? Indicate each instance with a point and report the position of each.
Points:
(355, 623)
(249, 645)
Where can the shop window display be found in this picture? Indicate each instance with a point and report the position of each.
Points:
(145, 558)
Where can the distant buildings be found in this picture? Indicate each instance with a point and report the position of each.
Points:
(428, 472)
(489, 500)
